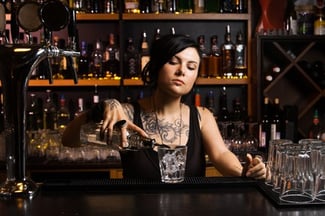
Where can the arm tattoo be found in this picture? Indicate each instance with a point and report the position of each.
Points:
(113, 103)
(129, 110)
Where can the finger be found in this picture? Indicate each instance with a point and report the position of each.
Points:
(137, 129)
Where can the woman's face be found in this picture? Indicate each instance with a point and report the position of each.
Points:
(179, 74)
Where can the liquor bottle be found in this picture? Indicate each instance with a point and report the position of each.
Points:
(223, 114)
(63, 65)
(214, 58)
(211, 102)
(80, 108)
(197, 98)
(240, 56)
(96, 61)
(145, 6)
(276, 121)
(264, 127)
(212, 6)
(291, 18)
(131, 6)
(49, 112)
(240, 6)
(131, 60)
(34, 120)
(144, 51)
(228, 54)
(227, 6)
(110, 7)
(315, 130)
(198, 6)
(79, 6)
(55, 61)
(111, 63)
(157, 34)
(135, 140)
(95, 96)
(185, 6)
(237, 111)
(83, 67)
(63, 115)
(171, 6)
(203, 70)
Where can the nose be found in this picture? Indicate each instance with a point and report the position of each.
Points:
(180, 70)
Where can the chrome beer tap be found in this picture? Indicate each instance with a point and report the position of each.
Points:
(17, 62)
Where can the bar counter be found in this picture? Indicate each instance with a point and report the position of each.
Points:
(195, 196)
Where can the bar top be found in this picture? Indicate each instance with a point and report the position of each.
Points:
(195, 196)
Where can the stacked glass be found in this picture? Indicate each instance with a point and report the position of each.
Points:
(296, 171)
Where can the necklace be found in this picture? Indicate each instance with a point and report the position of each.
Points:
(158, 126)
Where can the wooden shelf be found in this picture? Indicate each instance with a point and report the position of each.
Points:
(129, 82)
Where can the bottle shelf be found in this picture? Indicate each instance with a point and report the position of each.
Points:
(300, 80)
(128, 82)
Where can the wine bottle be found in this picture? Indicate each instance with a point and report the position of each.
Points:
(81, 108)
(111, 63)
(223, 114)
(315, 130)
(240, 56)
(83, 67)
(95, 96)
(49, 112)
(33, 115)
(131, 60)
(276, 121)
(228, 54)
(264, 127)
(96, 62)
(63, 115)
(144, 51)
(145, 6)
(211, 102)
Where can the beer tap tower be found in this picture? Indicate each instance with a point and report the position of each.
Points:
(17, 61)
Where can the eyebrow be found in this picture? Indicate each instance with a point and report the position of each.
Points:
(190, 61)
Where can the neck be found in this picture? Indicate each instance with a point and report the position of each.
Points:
(165, 104)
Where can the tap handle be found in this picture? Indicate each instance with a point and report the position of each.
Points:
(75, 76)
(50, 72)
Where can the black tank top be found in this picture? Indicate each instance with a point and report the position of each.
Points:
(144, 163)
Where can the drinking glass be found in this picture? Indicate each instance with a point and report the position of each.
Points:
(172, 163)
(320, 177)
(271, 159)
(298, 181)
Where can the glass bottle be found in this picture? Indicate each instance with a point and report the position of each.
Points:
(228, 54)
(271, 74)
(315, 130)
(83, 67)
(223, 114)
(319, 23)
(198, 6)
(197, 98)
(227, 6)
(131, 6)
(276, 121)
(203, 70)
(81, 108)
(110, 6)
(34, 119)
(212, 6)
(171, 6)
(95, 96)
(144, 51)
(264, 127)
(63, 66)
(145, 6)
(96, 62)
(211, 102)
(185, 6)
(214, 58)
(49, 112)
(111, 63)
(63, 115)
(131, 60)
(157, 34)
(240, 56)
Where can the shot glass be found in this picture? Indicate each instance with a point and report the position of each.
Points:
(172, 163)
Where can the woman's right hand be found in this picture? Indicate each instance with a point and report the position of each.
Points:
(114, 112)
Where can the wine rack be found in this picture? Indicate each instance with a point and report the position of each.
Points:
(300, 80)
